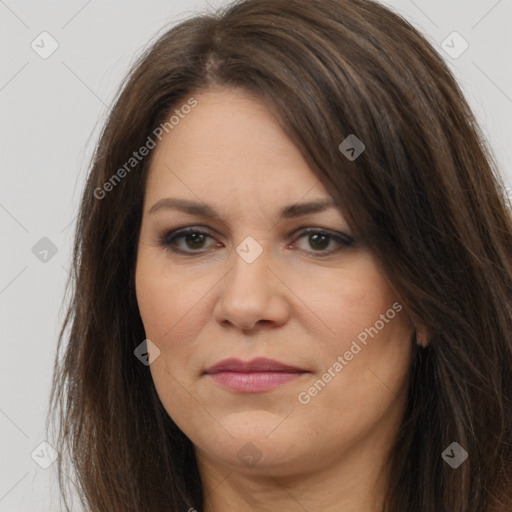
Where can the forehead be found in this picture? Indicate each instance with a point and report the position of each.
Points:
(230, 146)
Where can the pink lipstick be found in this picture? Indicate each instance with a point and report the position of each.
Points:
(257, 375)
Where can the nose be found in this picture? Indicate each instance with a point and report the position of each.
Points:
(252, 294)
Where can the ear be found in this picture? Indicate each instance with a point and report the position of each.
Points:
(423, 336)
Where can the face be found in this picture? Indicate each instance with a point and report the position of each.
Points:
(222, 273)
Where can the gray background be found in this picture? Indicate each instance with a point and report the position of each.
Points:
(52, 110)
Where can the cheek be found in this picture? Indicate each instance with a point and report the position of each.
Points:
(172, 304)
(173, 315)
(374, 339)
(153, 299)
(360, 385)
(347, 301)
(365, 356)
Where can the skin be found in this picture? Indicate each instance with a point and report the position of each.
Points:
(289, 304)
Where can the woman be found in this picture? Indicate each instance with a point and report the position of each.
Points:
(292, 277)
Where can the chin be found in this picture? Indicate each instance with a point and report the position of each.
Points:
(257, 447)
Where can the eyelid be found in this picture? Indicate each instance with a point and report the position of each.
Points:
(318, 229)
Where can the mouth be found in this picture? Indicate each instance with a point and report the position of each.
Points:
(260, 374)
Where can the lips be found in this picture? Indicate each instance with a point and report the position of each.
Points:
(260, 364)
(255, 376)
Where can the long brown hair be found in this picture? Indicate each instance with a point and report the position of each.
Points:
(425, 195)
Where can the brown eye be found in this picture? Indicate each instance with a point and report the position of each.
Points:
(319, 241)
(185, 241)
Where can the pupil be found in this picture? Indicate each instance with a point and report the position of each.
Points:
(196, 238)
(315, 238)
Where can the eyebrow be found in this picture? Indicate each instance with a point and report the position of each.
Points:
(204, 210)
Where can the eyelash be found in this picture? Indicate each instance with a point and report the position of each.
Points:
(169, 238)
